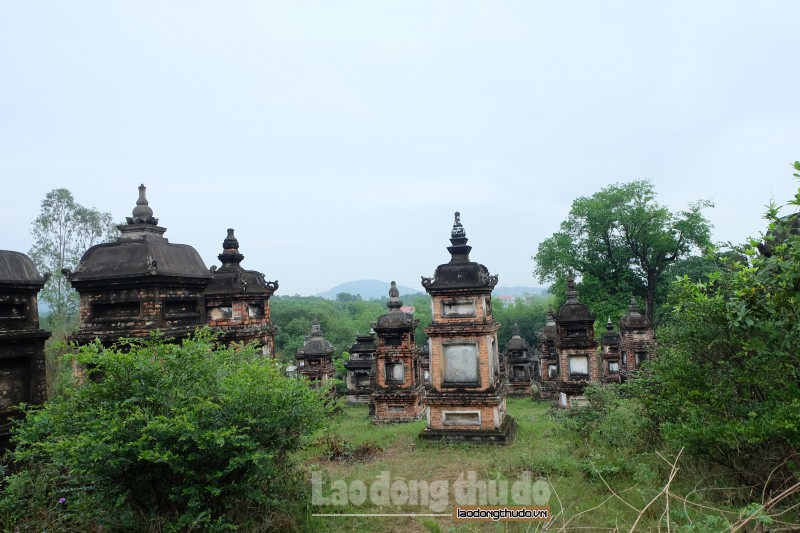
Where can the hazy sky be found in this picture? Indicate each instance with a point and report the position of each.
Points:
(338, 138)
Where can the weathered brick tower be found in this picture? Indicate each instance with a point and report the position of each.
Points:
(548, 358)
(139, 284)
(467, 397)
(576, 347)
(360, 369)
(237, 300)
(22, 365)
(519, 364)
(399, 392)
(609, 348)
(636, 339)
(315, 358)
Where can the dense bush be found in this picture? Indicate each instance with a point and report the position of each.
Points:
(618, 434)
(613, 419)
(726, 383)
(161, 437)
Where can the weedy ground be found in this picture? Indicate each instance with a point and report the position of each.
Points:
(590, 488)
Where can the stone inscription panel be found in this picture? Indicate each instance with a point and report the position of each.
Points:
(458, 308)
(462, 418)
(460, 364)
(578, 366)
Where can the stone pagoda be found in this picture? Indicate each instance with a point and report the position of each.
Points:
(237, 300)
(467, 397)
(576, 347)
(360, 369)
(637, 341)
(548, 358)
(519, 364)
(609, 350)
(315, 358)
(22, 364)
(399, 394)
(139, 284)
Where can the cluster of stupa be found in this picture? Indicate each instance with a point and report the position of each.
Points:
(459, 379)
(130, 288)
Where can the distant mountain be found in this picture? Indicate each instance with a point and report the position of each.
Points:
(518, 292)
(368, 289)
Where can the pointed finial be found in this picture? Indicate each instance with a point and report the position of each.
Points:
(394, 297)
(609, 325)
(230, 256)
(230, 242)
(459, 250)
(458, 229)
(572, 291)
(515, 332)
(142, 213)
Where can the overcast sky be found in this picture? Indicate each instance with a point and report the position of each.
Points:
(338, 138)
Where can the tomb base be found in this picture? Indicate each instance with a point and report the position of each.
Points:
(520, 389)
(391, 407)
(469, 416)
(502, 435)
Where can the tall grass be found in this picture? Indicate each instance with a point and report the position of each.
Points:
(594, 486)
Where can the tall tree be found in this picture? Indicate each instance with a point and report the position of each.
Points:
(62, 232)
(622, 240)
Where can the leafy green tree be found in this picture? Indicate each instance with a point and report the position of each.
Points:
(163, 437)
(340, 320)
(347, 297)
(726, 383)
(62, 232)
(697, 269)
(530, 313)
(422, 312)
(621, 241)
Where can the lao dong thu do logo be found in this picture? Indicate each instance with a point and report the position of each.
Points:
(437, 495)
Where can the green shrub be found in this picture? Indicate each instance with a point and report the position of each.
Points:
(726, 382)
(613, 419)
(161, 436)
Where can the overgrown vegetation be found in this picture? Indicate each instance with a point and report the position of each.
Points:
(603, 472)
(726, 384)
(705, 438)
(724, 389)
(163, 437)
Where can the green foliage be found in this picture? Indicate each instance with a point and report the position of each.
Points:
(340, 319)
(347, 297)
(726, 383)
(62, 232)
(339, 362)
(615, 419)
(530, 313)
(621, 242)
(180, 436)
(422, 312)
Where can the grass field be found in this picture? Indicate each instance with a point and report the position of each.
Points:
(577, 482)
